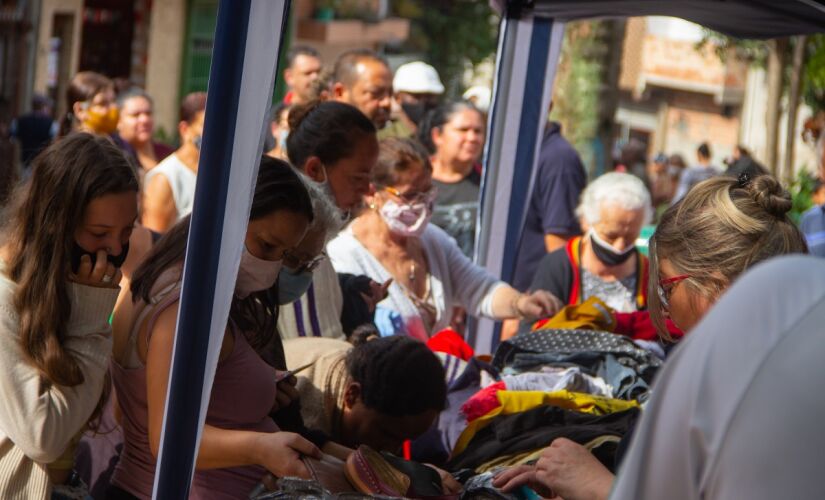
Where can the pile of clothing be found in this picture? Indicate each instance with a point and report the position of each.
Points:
(583, 385)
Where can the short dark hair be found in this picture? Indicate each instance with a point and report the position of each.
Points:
(436, 119)
(396, 155)
(704, 150)
(191, 105)
(398, 376)
(133, 92)
(300, 50)
(326, 129)
(345, 66)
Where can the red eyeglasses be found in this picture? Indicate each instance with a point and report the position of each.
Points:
(666, 287)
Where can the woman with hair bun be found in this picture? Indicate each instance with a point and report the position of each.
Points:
(335, 145)
(720, 229)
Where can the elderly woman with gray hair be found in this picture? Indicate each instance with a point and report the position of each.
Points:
(604, 262)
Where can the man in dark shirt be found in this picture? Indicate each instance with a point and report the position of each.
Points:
(551, 215)
(35, 130)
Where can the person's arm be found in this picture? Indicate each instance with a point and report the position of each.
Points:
(159, 210)
(553, 242)
(558, 191)
(42, 418)
(279, 452)
(507, 302)
(481, 293)
(565, 469)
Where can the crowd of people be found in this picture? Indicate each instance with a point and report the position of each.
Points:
(346, 331)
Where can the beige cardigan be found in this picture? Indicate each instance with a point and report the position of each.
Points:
(320, 387)
(38, 420)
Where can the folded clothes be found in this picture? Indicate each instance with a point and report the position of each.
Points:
(536, 428)
(553, 378)
(516, 402)
(569, 342)
(550, 379)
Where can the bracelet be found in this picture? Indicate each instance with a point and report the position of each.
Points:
(516, 312)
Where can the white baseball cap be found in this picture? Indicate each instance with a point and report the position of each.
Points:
(480, 96)
(417, 78)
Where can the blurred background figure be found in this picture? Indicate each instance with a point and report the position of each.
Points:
(813, 221)
(303, 68)
(480, 96)
(742, 161)
(169, 188)
(34, 130)
(453, 134)
(279, 128)
(363, 79)
(702, 171)
(416, 90)
(90, 100)
(136, 127)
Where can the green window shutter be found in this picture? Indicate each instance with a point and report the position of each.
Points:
(200, 35)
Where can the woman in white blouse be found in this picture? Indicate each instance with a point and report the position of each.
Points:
(430, 275)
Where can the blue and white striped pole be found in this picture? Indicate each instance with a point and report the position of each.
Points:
(528, 52)
(241, 80)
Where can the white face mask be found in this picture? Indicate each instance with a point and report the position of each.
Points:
(406, 220)
(255, 274)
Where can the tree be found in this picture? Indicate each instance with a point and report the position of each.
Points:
(452, 35)
(794, 98)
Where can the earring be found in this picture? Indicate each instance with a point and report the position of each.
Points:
(372, 205)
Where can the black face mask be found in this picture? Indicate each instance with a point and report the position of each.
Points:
(607, 254)
(416, 111)
(78, 252)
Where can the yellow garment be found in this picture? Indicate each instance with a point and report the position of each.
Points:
(592, 314)
(520, 401)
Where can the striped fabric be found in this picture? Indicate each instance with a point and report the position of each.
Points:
(241, 82)
(528, 51)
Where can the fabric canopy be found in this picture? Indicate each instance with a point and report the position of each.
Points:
(738, 18)
(525, 67)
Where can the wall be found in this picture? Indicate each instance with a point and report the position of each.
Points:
(44, 33)
(167, 28)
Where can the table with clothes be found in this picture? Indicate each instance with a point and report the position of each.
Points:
(582, 383)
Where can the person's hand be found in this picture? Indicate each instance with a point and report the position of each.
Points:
(448, 483)
(513, 478)
(287, 393)
(281, 452)
(537, 305)
(572, 472)
(377, 293)
(104, 274)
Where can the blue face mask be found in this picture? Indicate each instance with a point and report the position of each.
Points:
(291, 285)
(282, 135)
(196, 141)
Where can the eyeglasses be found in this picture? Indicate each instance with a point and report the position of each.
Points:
(666, 286)
(426, 197)
(300, 265)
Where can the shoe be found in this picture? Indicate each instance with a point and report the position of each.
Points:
(371, 474)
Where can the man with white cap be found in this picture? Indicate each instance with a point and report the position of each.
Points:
(416, 90)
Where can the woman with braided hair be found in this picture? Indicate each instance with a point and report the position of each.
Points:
(366, 394)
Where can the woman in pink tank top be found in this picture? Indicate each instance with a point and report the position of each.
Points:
(240, 442)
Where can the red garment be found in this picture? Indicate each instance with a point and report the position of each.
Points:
(450, 342)
(638, 326)
(288, 97)
(483, 402)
